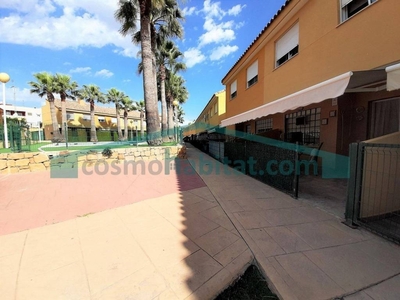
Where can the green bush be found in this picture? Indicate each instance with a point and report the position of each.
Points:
(107, 152)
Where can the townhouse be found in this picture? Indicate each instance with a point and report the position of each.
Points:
(210, 117)
(78, 121)
(322, 73)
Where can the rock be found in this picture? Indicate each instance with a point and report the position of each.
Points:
(37, 167)
(91, 157)
(14, 170)
(22, 162)
(3, 164)
(40, 158)
(16, 156)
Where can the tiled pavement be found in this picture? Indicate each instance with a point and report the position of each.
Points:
(305, 252)
(177, 237)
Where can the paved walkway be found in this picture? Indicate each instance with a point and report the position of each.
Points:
(179, 235)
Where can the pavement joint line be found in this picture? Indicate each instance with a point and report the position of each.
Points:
(83, 258)
(19, 264)
(219, 203)
(141, 248)
(366, 287)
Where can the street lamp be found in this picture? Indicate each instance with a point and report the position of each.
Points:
(4, 78)
(175, 104)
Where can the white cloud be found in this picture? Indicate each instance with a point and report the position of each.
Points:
(234, 11)
(222, 51)
(104, 73)
(218, 33)
(81, 70)
(193, 56)
(189, 11)
(213, 9)
(60, 24)
(23, 97)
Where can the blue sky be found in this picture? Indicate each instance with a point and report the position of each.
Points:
(81, 39)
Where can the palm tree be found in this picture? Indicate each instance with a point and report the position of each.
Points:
(115, 96)
(126, 105)
(175, 90)
(126, 14)
(141, 108)
(152, 12)
(45, 85)
(91, 93)
(66, 89)
(167, 58)
(180, 114)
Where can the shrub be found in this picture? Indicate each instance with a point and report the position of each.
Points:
(107, 152)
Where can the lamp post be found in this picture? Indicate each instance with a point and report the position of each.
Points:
(175, 104)
(4, 78)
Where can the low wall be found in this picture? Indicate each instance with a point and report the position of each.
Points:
(31, 162)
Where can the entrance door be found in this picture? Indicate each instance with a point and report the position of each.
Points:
(384, 117)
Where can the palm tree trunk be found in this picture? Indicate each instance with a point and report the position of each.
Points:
(126, 125)
(93, 135)
(164, 113)
(171, 123)
(63, 118)
(118, 123)
(141, 125)
(56, 133)
(154, 59)
(149, 84)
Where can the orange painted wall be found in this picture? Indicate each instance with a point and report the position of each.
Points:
(327, 48)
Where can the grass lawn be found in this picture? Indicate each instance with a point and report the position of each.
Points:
(101, 147)
(34, 148)
(251, 286)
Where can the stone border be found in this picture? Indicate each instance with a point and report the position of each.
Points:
(11, 163)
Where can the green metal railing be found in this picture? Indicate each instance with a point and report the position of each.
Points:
(21, 138)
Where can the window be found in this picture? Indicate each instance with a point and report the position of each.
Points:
(263, 125)
(248, 129)
(29, 114)
(350, 7)
(216, 108)
(303, 126)
(252, 74)
(233, 89)
(70, 116)
(101, 119)
(287, 46)
(86, 117)
(114, 120)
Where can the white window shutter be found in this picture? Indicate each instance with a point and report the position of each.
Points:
(344, 2)
(252, 71)
(288, 41)
(233, 87)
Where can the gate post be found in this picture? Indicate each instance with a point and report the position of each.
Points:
(352, 185)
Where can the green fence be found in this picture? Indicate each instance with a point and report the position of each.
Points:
(20, 138)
